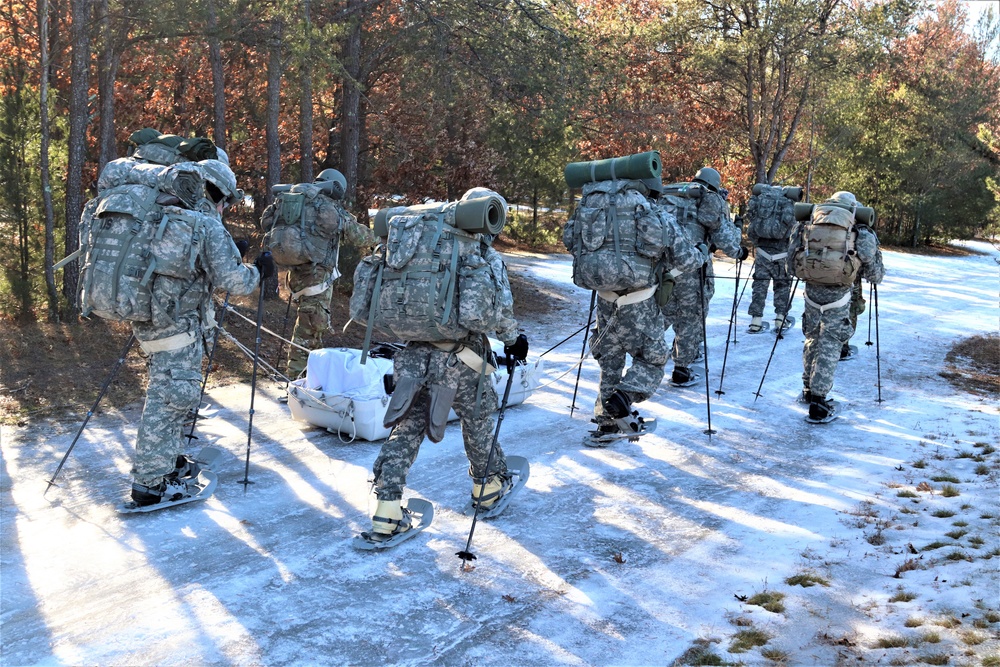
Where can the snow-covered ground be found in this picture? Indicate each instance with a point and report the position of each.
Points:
(640, 554)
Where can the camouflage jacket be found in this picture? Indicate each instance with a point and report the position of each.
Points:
(714, 217)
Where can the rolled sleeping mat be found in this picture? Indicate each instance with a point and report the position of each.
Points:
(863, 214)
(793, 192)
(380, 223)
(686, 190)
(630, 167)
(758, 188)
(483, 215)
(278, 188)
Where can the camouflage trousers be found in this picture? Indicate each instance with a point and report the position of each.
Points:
(857, 302)
(686, 312)
(437, 370)
(312, 319)
(765, 271)
(636, 330)
(825, 335)
(174, 389)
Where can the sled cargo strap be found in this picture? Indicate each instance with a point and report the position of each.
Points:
(627, 299)
(467, 357)
(822, 308)
(168, 344)
(773, 258)
(314, 290)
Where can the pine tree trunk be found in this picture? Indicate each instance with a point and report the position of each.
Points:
(78, 121)
(272, 138)
(50, 278)
(218, 79)
(306, 103)
(107, 71)
(350, 119)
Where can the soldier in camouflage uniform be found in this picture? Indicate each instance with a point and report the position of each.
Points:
(827, 322)
(431, 379)
(688, 306)
(311, 285)
(770, 239)
(857, 308)
(183, 317)
(635, 328)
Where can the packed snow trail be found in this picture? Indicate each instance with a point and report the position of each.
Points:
(624, 555)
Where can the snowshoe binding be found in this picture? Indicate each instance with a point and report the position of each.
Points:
(416, 516)
(848, 352)
(190, 480)
(758, 327)
(517, 475)
(783, 325)
(821, 410)
(684, 377)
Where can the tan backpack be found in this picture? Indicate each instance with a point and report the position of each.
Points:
(823, 243)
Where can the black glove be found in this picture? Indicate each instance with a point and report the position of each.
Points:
(243, 245)
(516, 351)
(265, 264)
(744, 252)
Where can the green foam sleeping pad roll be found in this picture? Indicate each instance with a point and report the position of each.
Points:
(483, 215)
(630, 167)
(863, 214)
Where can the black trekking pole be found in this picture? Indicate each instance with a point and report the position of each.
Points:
(869, 341)
(878, 354)
(284, 328)
(466, 555)
(704, 344)
(93, 408)
(583, 350)
(208, 369)
(732, 326)
(564, 339)
(778, 336)
(253, 382)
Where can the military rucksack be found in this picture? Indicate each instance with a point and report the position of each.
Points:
(616, 236)
(430, 280)
(127, 238)
(167, 149)
(766, 210)
(823, 242)
(682, 199)
(302, 226)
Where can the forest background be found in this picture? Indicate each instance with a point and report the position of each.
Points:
(894, 100)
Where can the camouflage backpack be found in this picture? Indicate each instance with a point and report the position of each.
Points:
(682, 200)
(429, 280)
(616, 237)
(302, 226)
(127, 238)
(823, 243)
(149, 145)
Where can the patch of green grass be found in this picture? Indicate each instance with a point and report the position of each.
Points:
(946, 478)
(772, 601)
(957, 555)
(975, 541)
(956, 534)
(991, 660)
(906, 493)
(742, 621)
(946, 622)
(987, 450)
(700, 656)
(950, 491)
(937, 544)
(903, 596)
(960, 523)
(942, 514)
(965, 454)
(987, 516)
(992, 616)
(744, 640)
(920, 464)
(965, 506)
(913, 622)
(982, 469)
(930, 637)
(907, 510)
(892, 641)
(935, 659)
(806, 579)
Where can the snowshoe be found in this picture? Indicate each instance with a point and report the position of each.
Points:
(612, 431)
(190, 480)
(518, 470)
(786, 324)
(684, 377)
(420, 514)
(759, 328)
(848, 352)
(821, 410)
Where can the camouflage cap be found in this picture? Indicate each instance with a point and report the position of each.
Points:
(844, 197)
(710, 177)
(222, 177)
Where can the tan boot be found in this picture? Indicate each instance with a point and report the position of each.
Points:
(486, 495)
(779, 321)
(756, 325)
(389, 519)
